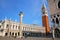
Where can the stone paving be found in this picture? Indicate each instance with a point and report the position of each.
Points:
(28, 38)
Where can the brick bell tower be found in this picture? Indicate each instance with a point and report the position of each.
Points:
(45, 22)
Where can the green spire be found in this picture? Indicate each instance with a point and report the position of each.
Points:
(43, 6)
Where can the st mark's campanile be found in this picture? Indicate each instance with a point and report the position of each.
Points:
(45, 21)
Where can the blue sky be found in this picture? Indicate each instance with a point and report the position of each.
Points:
(30, 8)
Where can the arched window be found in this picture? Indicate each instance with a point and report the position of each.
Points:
(0, 26)
(6, 34)
(13, 26)
(59, 4)
(57, 21)
(57, 32)
(15, 34)
(16, 27)
(7, 25)
(54, 16)
(57, 15)
(10, 33)
(53, 21)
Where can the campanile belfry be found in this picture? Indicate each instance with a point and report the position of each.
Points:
(45, 22)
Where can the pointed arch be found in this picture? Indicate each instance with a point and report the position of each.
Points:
(59, 4)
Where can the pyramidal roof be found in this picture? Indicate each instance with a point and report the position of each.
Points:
(43, 6)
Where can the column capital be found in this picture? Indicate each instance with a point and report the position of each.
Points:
(21, 14)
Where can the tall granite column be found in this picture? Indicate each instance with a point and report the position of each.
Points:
(21, 26)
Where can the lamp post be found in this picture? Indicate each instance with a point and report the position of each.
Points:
(21, 26)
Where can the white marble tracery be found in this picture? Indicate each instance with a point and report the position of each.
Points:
(56, 19)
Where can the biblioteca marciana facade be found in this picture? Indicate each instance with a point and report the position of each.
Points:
(11, 28)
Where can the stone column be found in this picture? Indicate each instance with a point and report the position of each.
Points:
(14, 34)
(55, 22)
(53, 31)
(17, 33)
(9, 27)
(4, 26)
(21, 26)
(59, 21)
(53, 34)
